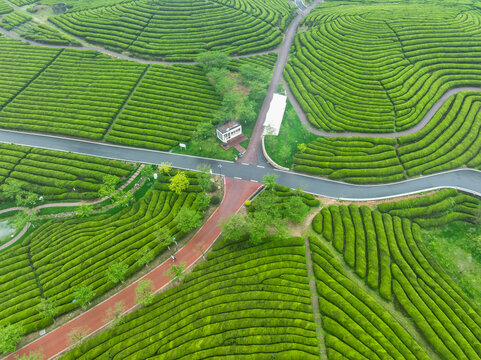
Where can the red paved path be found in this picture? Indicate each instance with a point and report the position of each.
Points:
(236, 193)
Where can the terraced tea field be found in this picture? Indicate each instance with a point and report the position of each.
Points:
(243, 302)
(255, 300)
(384, 248)
(54, 175)
(179, 30)
(63, 254)
(380, 67)
(450, 140)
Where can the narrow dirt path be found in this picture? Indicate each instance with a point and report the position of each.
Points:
(315, 302)
(56, 342)
(250, 157)
(66, 204)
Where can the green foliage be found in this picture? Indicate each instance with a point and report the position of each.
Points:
(30, 270)
(176, 272)
(116, 272)
(179, 182)
(47, 309)
(210, 60)
(83, 295)
(10, 335)
(147, 172)
(108, 186)
(30, 356)
(188, 219)
(84, 210)
(144, 292)
(269, 181)
(259, 297)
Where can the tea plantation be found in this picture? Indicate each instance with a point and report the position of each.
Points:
(180, 30)
(450, 140)
(61, 255)
(380, 67)
(251, 300)
(384, 248)
(58, 175)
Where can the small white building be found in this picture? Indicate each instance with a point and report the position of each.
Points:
(229, 131)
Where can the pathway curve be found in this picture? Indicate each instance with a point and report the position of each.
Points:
(119, 55)
(250, 157)
(56, 341)
(64, 204)
(468, 180)
(424, 121)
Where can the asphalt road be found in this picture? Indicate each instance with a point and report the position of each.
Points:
(464, 179)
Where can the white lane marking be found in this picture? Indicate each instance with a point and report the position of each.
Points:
(254, 181)
(262, 167)
(236, 177)
(245, 164)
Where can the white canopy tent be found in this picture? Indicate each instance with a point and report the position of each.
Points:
(274, 116)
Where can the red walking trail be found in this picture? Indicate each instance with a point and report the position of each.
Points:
(55, 342)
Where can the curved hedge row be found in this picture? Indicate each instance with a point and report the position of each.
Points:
(381, 67)
(12, 20)
(390, 249)
(45, 34)
(58, 175)
(180, 30)
(244, 302)
(60, 255)
(450, 140)
(357, 326)
(5, 8)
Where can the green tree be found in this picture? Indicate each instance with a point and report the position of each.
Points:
(257, 79)
(84, 210)
(109, 183)
(116, 313)
(145, 256)
(147, 172)
(26, 198)
(269, 181)
(77, 335)
(165, 168)
(144, 292)
(202, 201)
(83, 295)
(122, 198)
(295, 209)
(47, 309)
(21, 218)
(210, 60)
(10, 335)
(235, 227)
(176, 272)
(188, 219)
(179, 182)
(116, 272)
(204, 130)
(11, 188)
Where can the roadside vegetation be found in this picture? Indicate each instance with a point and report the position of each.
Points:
(65, 263)
(380, 291)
